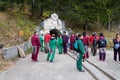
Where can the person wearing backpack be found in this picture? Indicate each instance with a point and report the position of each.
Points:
(102, 42)
(81, 53)
(93, 42)
(116, 48)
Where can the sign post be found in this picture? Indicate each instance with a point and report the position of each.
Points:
(20, 34)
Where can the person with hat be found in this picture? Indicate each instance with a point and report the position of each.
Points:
(52, 45)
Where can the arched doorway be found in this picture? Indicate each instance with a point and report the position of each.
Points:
(56, 32)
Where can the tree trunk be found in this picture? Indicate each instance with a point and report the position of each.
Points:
(109, 27)
(85, 25)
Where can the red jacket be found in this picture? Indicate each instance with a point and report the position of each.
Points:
(47, 38)
(35, 40)
(85, 40)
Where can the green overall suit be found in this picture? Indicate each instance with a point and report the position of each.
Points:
(52, 45)
(60, 45)
(80, 56)
(42, 42)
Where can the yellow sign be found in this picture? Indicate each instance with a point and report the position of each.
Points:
(21, 33)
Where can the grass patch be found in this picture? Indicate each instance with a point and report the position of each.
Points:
(29, 51)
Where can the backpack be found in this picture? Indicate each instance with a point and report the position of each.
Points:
(117, 45)
(102, 43)
(75, 45)
(94, 41)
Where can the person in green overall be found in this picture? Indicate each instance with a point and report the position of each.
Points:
(81, 52)
(60, 44)
(42, 42)
(52, 45)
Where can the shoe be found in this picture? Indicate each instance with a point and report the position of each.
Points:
(82, 70)
(35, 60)
(83, 60)
(51, 61)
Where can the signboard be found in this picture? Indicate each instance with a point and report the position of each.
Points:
(21, 33)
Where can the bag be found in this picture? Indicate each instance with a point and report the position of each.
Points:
(102, 43)
(116, 46)
(95, 41)
(34, 49)
(75, 45)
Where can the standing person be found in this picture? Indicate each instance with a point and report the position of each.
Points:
(93, 42)
(65, 42)
(42, 42)
(81, 52)
(85, 40)
(52, 45)
(116, 48)
(46, 41)
(35, 46)
(72, 39)
(102, 47)
(60, 44)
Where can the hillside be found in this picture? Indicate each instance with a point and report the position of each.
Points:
(10, 25)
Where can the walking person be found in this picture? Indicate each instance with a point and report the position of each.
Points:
(93, 42)
(81, 52)
(85, 40)
(102, 42)
(65, 42)
(52, 45)
(60, 44)
(116, 48)
(35, 46)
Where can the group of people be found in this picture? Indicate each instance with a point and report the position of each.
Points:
(48, 43)
(78, 43)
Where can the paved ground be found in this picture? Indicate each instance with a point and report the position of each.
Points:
(64, 68)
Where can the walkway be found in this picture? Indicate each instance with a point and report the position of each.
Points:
(64, 68)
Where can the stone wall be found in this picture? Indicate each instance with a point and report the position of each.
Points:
(11, 52)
